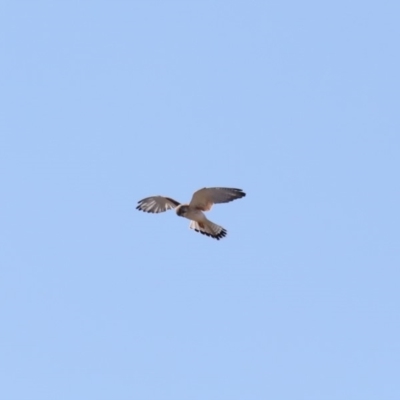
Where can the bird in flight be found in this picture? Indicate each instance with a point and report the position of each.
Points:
(202, 200)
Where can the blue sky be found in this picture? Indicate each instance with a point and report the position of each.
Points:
(103, 103)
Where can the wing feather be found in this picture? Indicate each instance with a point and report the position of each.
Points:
(205, 198)
(156, 204)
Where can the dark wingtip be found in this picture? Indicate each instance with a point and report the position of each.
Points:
(240, 192)
(220, 235)
(146, 211)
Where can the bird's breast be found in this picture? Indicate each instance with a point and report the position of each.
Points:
(195, 215)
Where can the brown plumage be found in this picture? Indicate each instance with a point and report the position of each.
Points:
(202, 200)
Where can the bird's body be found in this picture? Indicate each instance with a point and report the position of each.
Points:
(185, 211)
(202, 200)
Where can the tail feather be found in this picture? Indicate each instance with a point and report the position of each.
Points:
(208, 228)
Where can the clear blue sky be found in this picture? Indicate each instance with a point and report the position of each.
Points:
(103, 103)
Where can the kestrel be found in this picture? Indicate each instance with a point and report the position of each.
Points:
(202, 200)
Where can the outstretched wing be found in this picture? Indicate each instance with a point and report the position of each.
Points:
(156, 204)
(204, 198)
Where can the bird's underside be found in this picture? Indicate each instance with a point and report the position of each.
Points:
(201, 201)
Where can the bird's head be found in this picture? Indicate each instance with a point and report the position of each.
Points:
(181, 210)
